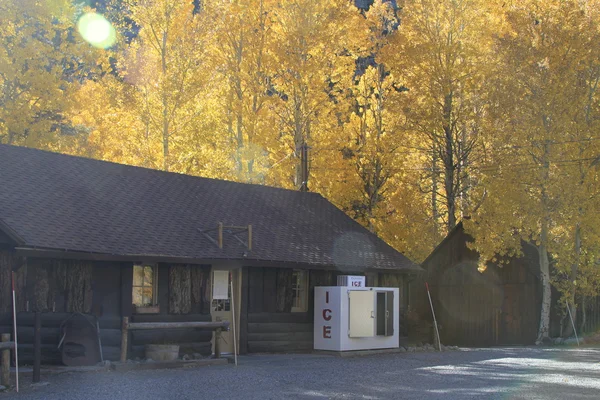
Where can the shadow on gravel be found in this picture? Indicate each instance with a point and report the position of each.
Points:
(498, 373)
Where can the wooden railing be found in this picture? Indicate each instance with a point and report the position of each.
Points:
(218, 327)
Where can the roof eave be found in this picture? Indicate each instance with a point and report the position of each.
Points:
(13, 235)
(242, 261)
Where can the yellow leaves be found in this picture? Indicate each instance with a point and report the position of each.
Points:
(39, 67)
(387, 109)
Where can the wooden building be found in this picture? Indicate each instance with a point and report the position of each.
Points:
(500, 306)
(112, 241)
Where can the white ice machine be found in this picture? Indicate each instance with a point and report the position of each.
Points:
(356, 318)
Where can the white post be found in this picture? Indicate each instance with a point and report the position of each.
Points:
(15, 332)
(437, 332)
(233, 322)
(572, 323)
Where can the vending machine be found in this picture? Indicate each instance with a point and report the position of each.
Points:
(353, 317)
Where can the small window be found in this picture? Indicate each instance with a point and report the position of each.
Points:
(144, 285)
(300, 290)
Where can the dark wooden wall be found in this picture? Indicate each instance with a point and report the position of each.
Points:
(183, 295)
(497, 307)
(402, 282)
(110, 335)
(56, 288)
(268, 324)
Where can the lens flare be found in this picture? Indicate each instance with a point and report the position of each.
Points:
(96, 30)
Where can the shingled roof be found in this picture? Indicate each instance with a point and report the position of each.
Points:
(55, 201)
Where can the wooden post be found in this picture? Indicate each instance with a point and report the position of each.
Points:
(217, 340)
(124, 335)
(37, 347)
(250, 237)
(220, 235)
(5, 375)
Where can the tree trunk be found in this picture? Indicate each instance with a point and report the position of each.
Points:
(449, 162)
(434, 200)
(544, 261)
(165, 104)
(544, 326)
(582, 328)
(573, 278)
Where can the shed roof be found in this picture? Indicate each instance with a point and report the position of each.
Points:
(60, 202)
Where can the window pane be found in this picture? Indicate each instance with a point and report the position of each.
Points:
(299, 288)
(138, 275)
(148, 276)
(137, 296)
(147, 295)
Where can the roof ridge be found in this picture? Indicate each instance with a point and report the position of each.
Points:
(153, 170)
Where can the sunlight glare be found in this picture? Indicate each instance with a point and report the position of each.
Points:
(96, 30)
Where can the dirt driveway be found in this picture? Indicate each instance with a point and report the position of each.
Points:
(500, 373)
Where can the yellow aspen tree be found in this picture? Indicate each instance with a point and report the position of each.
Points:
(41, 63)
(576, 233)
(314, 46)
(372, 130)
(169, 65)
(442, 52)
(108, 111)
(540, 92)
(239, 47)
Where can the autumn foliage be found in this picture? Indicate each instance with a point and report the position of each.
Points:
(412, 117)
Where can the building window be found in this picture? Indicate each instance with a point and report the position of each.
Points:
(145, 283)
(300, 290)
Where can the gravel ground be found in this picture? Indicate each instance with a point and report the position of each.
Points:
(499, 373)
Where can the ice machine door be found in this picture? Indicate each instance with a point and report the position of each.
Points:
(389, 313)
(385, 313)
(362, 313)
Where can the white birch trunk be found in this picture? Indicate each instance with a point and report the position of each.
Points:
(544, 327)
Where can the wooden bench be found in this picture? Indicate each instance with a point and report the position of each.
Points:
(218, 327)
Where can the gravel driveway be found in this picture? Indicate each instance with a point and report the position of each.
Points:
(500, 373)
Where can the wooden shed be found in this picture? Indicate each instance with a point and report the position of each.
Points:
(500, 306)
(112, 241)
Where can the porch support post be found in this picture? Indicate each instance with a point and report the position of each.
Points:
(217, 340)
(37, 347)
(5, 373)
(124, 335)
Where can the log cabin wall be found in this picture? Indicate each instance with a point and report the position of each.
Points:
(269, 325)
(267, 322)
(57, 288)
(183, 295)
